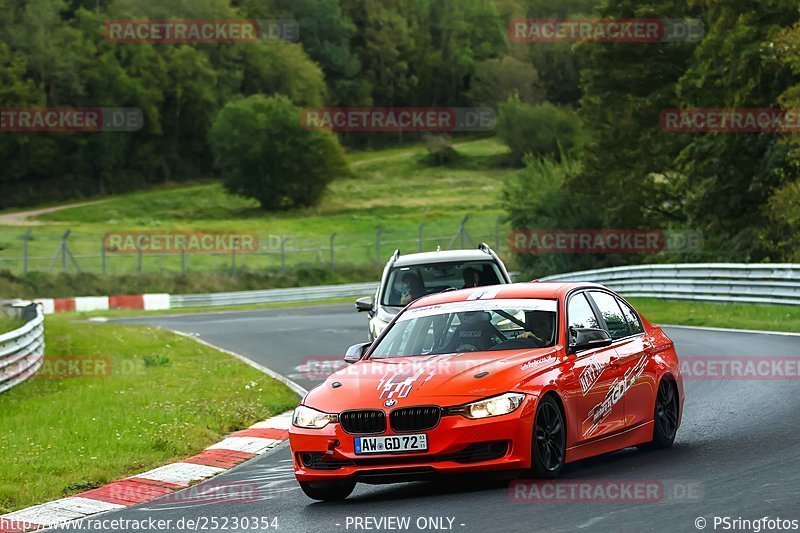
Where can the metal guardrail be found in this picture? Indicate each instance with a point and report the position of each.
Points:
(22, 350)
(298, 294)
(723, 282)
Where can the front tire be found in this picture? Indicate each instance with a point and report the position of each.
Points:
(328, 491)
(549, 439)
(665, 416)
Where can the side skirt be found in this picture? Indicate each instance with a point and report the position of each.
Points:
(630, 437)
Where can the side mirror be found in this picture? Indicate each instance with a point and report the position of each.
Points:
(356, 352)
(587, 338)
(364, 304)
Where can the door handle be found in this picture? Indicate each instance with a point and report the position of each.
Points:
(613, 361)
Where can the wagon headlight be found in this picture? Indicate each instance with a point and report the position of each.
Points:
(496, 406)
(308, 418)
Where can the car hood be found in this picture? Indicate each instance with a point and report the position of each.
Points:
(387, 313)
(444, 380)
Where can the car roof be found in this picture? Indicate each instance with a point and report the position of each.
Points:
(443, 256)
(534, 289)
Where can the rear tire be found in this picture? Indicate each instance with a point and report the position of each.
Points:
(665, 417)
(328, 491)
(549, 444)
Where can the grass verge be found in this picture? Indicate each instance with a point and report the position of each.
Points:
(720, 315)
(163, 398)
(8, 323)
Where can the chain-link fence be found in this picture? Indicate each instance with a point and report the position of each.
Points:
(49, 249)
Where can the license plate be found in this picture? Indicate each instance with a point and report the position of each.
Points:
(391, 444)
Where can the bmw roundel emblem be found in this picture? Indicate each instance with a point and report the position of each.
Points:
(389, 403)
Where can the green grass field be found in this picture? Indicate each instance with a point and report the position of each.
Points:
(8, 323)
(719, 315)
(163, 398)
(384, 192)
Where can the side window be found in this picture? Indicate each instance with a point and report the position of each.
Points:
(631, 318)
(580, 313)
(609, 308)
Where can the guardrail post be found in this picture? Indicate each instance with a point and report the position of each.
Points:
(333, 262)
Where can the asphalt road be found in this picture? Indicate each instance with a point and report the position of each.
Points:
(737, 453)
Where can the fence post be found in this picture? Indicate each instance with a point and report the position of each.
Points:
(497, 235)
(378, 233)
(103, 253)
(333, 262)
(422, 225)
(25, 239)
(233, 260)
(140, 254)
(460, 233)
(63, 251)
(183, 258)
(283, 254)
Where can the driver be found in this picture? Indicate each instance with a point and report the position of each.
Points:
(540, 326)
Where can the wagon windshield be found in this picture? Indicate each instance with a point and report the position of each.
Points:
(471, 326)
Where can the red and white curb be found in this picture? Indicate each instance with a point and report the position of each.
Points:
(235, 449)
(140, 302)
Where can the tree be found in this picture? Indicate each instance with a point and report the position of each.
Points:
(495, 80)
(261, 151)
(541, 130)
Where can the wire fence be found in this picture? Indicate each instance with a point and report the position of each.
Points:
(49, 250)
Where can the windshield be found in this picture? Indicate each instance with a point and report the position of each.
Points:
(470, 326)
(406, 284)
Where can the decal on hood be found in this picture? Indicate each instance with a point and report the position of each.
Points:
(533, 362)
(398, 383)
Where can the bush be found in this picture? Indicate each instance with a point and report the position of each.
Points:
(262, 152)
(541, 130)
(440, 150)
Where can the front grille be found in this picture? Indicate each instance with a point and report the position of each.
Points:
(363, 422)
(474, 453)
(415, 418)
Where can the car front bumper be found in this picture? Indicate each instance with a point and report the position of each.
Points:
(456, 445)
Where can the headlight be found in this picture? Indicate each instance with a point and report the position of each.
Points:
(306, 417)
(499, 405)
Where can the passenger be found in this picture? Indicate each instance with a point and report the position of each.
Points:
(472, 278)
(412, 288)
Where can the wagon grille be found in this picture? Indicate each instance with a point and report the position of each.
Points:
(363, 422)
(415, 418)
